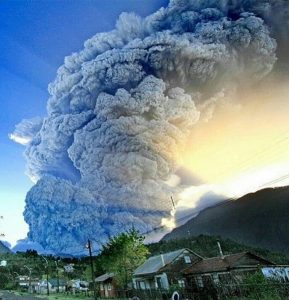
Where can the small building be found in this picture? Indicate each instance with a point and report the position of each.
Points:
(107, 285)
(161, 271)
(77, 286)
(278, 272)
(27, 283)
(223, 269)
(23, 282)
(54, 285)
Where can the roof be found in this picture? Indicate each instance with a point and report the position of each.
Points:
(54, 282)
(217, 264)
(155, 263)
(104, 277)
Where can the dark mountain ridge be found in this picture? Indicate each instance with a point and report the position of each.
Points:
(258, 219)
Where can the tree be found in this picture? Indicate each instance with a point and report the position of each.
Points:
(123, 254)
(4, 279)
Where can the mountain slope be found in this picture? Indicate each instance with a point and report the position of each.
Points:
(4, 249)
(206, 246)
(259, 219)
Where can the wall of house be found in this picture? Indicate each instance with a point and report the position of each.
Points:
(174, 269)
(42, 289)
(161, 281)
(107, 289)
(223, 277)
(144, 283)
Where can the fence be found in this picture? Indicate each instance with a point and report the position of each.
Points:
(157, 294)
(220, 292)
(254, 291)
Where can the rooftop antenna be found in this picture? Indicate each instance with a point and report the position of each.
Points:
(220, 250)
(162, 259)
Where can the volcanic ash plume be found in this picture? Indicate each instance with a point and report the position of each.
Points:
(120, 111)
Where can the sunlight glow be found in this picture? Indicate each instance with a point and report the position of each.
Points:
(243, 150)
(19, 139)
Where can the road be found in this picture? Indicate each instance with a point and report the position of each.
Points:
(10, 296)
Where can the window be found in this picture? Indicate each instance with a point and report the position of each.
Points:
(159, 282)
(141, 285)
(187, 259)
(109, 287)
(216, 278)
(199, 281)
(181, 283)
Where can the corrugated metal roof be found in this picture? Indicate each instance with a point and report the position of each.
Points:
(104, 277)
(155, 263)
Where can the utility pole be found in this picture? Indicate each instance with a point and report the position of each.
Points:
(57, 276)
(92, 269)
(1, 234)
(30, 270)
(47, 283)
(16, 279)
(173, 203)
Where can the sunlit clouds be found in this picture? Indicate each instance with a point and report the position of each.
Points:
(249, 142)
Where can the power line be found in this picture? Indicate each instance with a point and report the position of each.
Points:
(189, 216)
(178, 220)
(274, 146)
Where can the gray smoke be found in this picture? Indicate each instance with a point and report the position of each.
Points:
(121, 109)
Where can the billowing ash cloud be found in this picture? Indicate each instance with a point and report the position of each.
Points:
(26, 130)
(120, 110)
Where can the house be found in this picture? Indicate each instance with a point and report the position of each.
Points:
(25, 282)
(277, 272)
(161, 271)
(77, 285)
(223, 269)
(107, 285)
(54, 285)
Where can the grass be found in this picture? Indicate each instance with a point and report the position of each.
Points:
(61, 296)
(66, 297)
(53, 296)
(75, 297)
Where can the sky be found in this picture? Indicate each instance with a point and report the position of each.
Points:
(35, 38)
(214, 113)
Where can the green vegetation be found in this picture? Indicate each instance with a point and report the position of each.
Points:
(19, 264)
(54, 296)
(256, 286)
(76, 297)
(123, 254)
(65, 297)
(206, 246)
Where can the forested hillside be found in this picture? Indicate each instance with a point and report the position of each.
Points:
(206, 246)
(258, 219)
